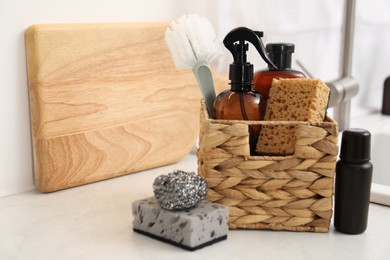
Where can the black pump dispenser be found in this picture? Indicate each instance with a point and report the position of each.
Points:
(241, 71)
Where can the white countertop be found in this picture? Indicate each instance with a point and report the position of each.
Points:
(95, 222)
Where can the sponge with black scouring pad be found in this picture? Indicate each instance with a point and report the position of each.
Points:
(191, 229)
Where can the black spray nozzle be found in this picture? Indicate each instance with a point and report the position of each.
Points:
(241, 71)
(240, 50)
(246, 34)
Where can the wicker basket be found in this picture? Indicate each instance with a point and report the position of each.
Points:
(292, 193)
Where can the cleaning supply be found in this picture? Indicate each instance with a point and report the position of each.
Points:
(241, 102)
(353, 182)
(190, 229)
(386, 97)
(179, 190)
(298, 99)
(177, 213)
(194, 45)
(280, 54)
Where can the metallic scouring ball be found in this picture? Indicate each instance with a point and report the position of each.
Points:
(179, 190)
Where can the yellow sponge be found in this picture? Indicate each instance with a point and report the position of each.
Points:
(297, 99)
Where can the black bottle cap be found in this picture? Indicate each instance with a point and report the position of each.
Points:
(356, 145)
(280, 54)
(386, 97)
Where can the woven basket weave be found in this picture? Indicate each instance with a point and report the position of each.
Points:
(281, 192)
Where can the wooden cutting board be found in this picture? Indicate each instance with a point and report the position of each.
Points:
(106, 100)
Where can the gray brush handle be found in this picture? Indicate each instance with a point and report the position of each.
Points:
(204, 77)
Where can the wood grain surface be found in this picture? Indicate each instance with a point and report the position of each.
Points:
(106, 100)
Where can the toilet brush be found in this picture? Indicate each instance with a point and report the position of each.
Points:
(194, 45)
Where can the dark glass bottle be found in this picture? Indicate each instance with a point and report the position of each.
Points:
(241, 102)
(244, 104)
(240, 105)
(353, 182)
(386, 97)
(280, 54)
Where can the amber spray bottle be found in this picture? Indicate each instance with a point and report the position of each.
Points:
(280, 54)
(241, 102)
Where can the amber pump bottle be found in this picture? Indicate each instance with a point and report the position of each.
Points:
(280, 54)
(241, 102)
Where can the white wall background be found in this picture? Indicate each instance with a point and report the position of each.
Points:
(314, 26)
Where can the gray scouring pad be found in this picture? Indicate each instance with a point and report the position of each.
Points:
(190, 229)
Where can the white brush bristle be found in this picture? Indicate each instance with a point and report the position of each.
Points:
(192, 39)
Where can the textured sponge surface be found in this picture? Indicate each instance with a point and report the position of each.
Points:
(190, 229)
(291, 100)
(297, 100)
